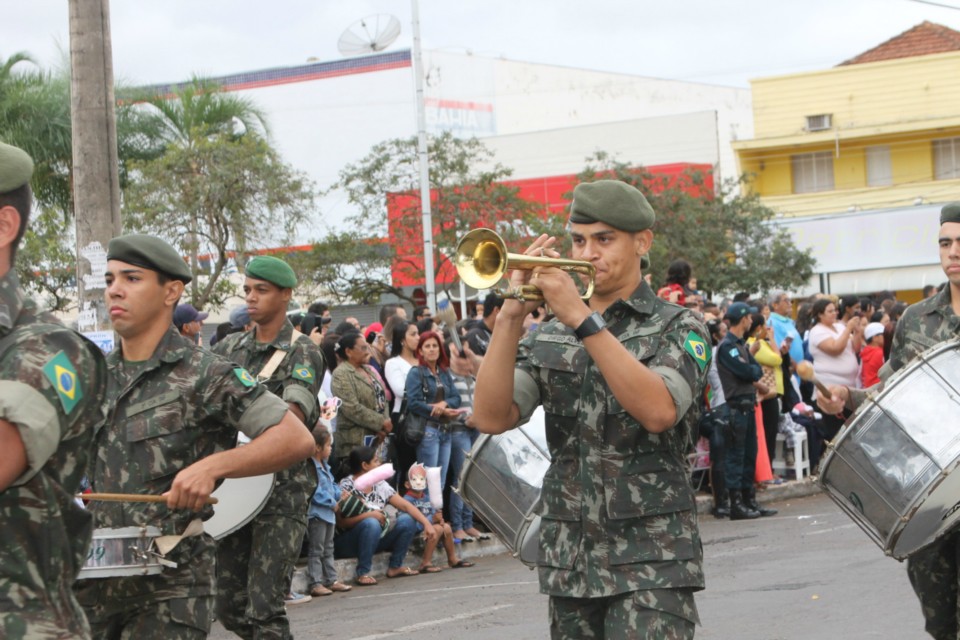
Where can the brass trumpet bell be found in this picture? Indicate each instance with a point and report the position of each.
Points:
(482, 261)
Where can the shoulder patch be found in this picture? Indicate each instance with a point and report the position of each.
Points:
(61, 374)
(244, 376)
(303, 372)
(698, 348)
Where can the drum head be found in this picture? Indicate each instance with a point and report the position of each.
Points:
(501, 481)
(239, 501)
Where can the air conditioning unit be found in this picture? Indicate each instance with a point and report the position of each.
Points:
(820, 122)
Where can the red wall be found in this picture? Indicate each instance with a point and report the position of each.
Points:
(408, 264)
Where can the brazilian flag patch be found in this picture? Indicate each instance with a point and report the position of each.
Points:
(698, 348)
(244, 376)
(303, 372)
(63, 377)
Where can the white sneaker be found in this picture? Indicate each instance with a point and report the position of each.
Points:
(296, 598)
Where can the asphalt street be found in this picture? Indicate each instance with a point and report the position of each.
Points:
(808, 572)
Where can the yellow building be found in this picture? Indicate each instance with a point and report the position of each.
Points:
(879, 133)
(880, 130)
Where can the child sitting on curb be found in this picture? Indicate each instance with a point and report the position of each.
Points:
(417, 495)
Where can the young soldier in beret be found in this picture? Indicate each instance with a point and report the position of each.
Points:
(52, 387)
(934, 570)
(254, 564)
(620, 552)
(175, 410)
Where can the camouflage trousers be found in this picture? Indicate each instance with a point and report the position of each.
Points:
(254, 567)
(934, 573)
(626, 616)
(32, 624)
(175, 619)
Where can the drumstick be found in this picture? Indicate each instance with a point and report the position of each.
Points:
(805, 371)
(129, 497)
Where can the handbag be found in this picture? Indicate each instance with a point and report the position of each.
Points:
(413, 426)
(769, 378)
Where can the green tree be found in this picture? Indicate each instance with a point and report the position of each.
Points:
(35, 116)
(466, 192)
(224, 195)
(730, 240)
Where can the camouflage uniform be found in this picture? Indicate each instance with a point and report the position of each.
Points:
(181, 405)
(254, 564)
(52, 387)
(935, 570)
(619, 528)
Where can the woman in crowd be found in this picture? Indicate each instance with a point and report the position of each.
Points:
(379, 520)
(834, 357)
(431, 393)
(404, 338)
(769, 359)
(364, 410)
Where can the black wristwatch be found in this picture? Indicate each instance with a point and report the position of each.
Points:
(592, 325)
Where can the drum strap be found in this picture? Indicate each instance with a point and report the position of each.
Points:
(276, 359)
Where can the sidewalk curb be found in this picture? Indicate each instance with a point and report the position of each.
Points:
(772, 493)
(347, 567)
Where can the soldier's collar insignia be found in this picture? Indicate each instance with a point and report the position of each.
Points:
(63, 377)
(698, 348)
(244, 376)
(303, 372)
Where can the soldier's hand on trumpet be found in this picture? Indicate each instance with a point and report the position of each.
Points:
(560, 290)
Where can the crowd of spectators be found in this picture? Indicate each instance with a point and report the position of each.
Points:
(846, 338)
(397, 366)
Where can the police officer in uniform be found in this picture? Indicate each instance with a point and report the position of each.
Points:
(254, 564)
(934, 570)
(740, 376)
(52, 387)
(620, 553)
(174, 413)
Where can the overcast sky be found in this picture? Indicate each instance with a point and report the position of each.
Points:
(724, 42)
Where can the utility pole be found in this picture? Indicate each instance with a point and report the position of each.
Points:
(428, 268)
(96, 181)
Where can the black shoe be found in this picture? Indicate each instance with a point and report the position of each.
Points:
(721, 508)
(740, 511)
(750, 501)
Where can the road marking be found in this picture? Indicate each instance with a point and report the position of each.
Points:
(420, 626)
(469, 586)
(819, 531)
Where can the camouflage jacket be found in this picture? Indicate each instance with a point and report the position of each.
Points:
(297, 380)
(181, 405)
(923, 325)
(617, 507)
(52, 388)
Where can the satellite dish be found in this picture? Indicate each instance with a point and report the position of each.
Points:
(369, 35)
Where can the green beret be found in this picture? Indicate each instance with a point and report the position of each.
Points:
(16, 167)
(616, 203)
(150, 253)
(272, 270)
(950, 213)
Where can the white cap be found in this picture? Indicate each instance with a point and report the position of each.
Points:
(873, 329)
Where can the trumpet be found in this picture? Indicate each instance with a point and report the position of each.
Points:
(482, 261)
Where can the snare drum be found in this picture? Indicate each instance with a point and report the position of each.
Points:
(126, 551)
(891, 468)
(501, 481)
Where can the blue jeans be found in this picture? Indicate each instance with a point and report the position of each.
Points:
(363, 540)
(434, 450)
(461, 440)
